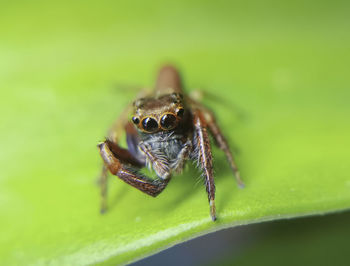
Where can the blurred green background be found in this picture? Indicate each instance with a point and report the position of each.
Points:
(67, 69)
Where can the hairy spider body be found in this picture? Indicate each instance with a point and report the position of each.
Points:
(167, 129)
(169, 144)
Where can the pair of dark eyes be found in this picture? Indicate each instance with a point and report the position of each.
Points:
(149, 124)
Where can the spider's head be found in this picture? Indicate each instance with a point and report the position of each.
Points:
(158, 113)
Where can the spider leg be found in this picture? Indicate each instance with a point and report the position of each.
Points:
(157, 160)
(126, 157)
(118, 127)
(114, 134)
(103, 183)
(220, 140)
(223, 145)
(133, 140)
(178, 164)
(204, 156)
(121, 166)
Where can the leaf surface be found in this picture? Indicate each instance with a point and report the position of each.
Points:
(277, 81)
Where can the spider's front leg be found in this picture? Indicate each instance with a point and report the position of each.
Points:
(114, 133)
(123, 164)
(204, 156)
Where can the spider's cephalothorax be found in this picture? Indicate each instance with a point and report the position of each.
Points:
(165, 131)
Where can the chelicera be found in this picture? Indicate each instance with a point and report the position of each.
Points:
(166, 130)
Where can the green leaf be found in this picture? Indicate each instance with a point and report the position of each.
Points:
(281, 85)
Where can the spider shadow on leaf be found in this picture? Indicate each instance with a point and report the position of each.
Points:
(191, 183)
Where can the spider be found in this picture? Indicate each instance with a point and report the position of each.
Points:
(167, 129)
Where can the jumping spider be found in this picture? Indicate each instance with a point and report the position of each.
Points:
(166, 129)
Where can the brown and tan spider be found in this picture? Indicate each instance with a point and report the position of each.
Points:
(167, 129)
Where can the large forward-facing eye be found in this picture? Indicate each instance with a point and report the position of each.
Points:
(168, 121)
(149, 124)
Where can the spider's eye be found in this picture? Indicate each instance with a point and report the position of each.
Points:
(180, 112)
(149, 124)
(168, 121)
(135, 120)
